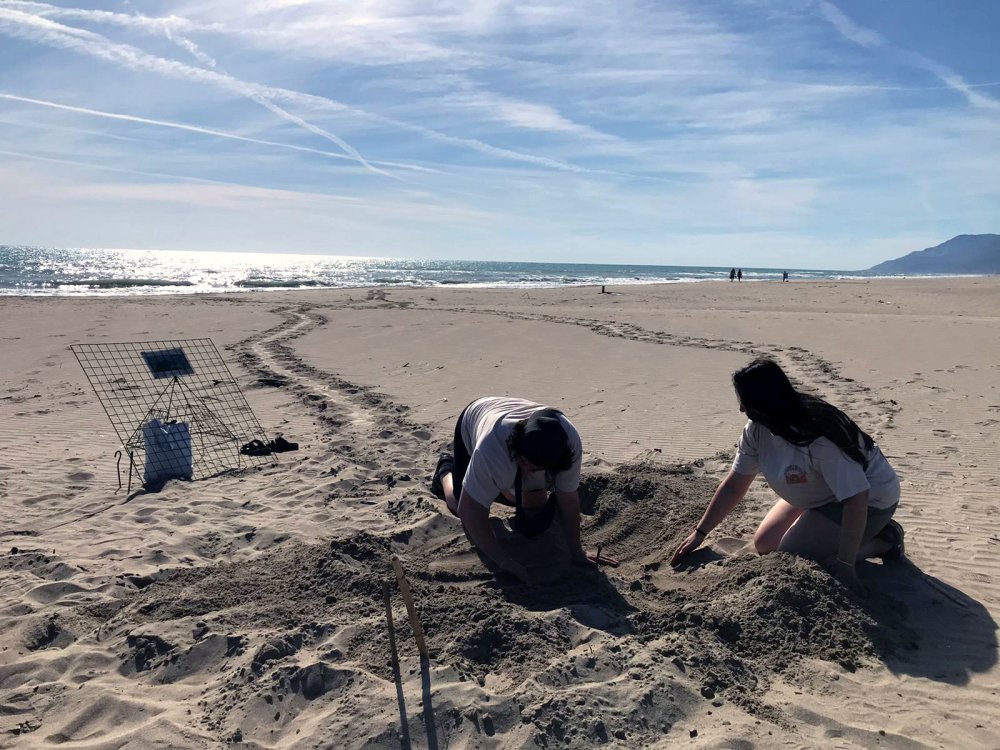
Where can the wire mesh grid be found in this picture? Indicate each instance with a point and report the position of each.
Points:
(174, 405)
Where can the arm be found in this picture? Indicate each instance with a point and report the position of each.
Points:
(569, 519)
(852, 527)
(476, 520)
(849, 484)
(727, 495)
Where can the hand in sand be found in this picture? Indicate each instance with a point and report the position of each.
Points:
(512, 567)
(594, 560)
(689, 545)
(847, 574)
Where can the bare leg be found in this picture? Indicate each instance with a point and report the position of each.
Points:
(771, 530)
(817, 537)
(813, 536)
(448, 484)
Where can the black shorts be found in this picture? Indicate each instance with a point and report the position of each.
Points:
(462, 455)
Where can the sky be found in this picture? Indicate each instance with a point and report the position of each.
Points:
(757, 133)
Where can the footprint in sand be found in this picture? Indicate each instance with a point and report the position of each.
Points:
(47, 593)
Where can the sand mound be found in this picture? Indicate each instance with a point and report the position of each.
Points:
(293, 643)
(778, 609)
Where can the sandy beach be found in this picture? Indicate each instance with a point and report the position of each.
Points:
(246, 610)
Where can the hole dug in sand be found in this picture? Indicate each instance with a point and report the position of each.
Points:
(585, 657)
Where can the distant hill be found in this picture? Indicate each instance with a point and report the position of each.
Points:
(967, 253)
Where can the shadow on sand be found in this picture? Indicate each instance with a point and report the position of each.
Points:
(588, 596)
(929, 628)
(557, 583)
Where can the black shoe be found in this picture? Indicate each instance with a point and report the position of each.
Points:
(280, 445)
(893, 534)
(445, 465)
(255, 448)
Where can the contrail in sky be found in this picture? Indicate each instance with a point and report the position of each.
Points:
(204, 131)
(40, 29)
(166, 175)
(870, 39)
(67, 37)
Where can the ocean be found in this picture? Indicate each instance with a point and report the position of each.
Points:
(97, 272)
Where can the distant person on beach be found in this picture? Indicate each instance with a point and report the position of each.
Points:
(784, 275)
(513, 451)
(732, 274)
(739, 274)
(837, 493)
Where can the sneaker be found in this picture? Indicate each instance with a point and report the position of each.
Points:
(893, 534)
(256, 448)
(280, 445)
(444, 466)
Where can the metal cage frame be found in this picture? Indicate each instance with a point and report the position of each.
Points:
(174, 386)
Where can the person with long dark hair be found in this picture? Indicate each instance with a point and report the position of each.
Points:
(518, 453)
(837, 493)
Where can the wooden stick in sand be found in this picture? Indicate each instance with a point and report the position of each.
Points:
(411, 610)
(392, 629)
(610, 561)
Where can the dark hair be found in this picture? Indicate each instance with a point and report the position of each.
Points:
(557, 455)
(768, 397)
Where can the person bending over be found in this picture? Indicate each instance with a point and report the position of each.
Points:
(837, 493)
(513, 451)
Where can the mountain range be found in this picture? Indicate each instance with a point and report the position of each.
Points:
(966, 253)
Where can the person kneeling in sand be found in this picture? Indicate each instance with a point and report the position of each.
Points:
(837, 493)
(513, 451)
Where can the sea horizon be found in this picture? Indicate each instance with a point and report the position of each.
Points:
(38, 271)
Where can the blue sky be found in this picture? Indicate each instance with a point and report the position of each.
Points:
(798, 133)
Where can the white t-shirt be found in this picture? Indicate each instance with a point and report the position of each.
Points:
(487, 424)
(809, 476)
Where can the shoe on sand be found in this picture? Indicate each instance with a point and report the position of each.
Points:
(255, 448)
(445, 465)
(280, 445)
(893, 534)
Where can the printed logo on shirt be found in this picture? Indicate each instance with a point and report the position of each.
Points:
(795, 475)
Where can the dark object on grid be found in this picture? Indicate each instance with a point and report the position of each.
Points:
(176, 408)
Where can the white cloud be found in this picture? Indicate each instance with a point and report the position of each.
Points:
(520, 114)
(204, 131)
(849, 29)
(873, 40)
(201, 194)
(39, 29)
(628, 120)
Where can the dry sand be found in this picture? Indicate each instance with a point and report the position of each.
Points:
(246, 610)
